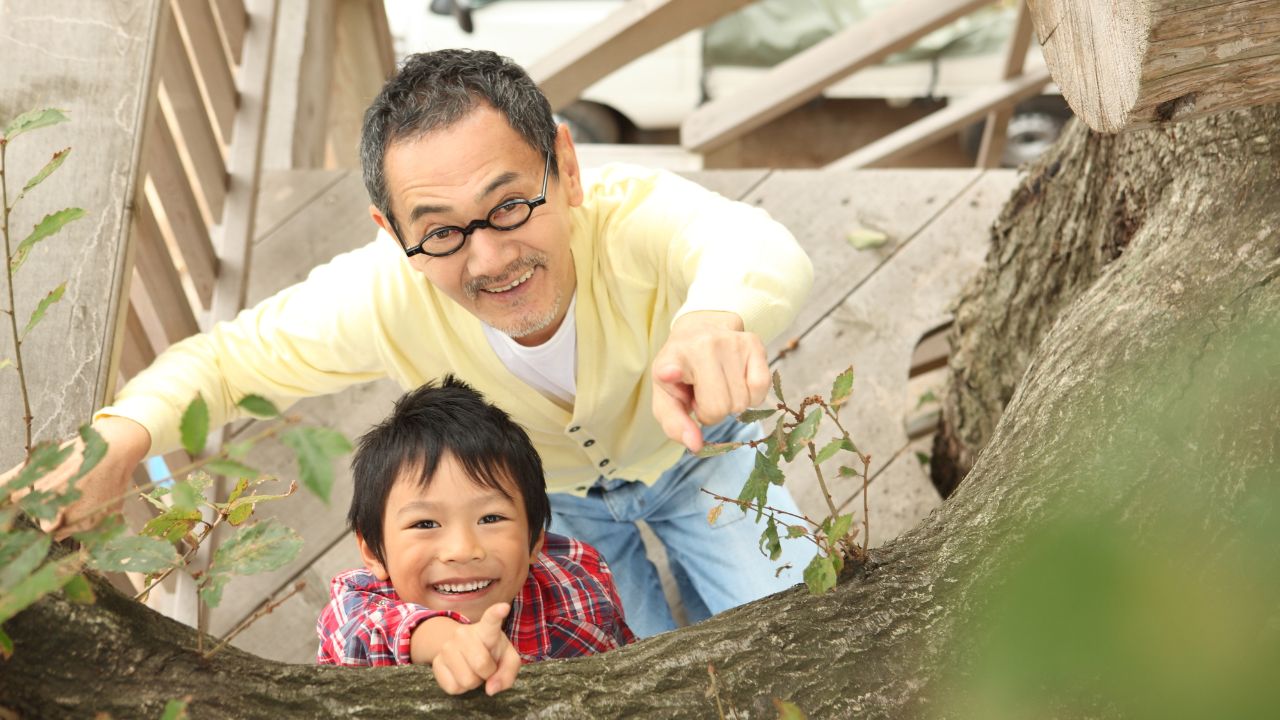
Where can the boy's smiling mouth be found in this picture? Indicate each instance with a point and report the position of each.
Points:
(462, 587)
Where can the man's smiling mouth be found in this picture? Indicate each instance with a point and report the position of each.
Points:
(514, 283)
(462, 588)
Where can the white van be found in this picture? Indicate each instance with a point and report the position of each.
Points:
(658, 90)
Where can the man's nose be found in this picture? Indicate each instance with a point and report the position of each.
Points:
(461, 544)
(491, 252)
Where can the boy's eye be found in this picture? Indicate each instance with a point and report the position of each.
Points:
(491, 518)
(425, 525)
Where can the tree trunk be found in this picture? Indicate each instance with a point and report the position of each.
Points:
(1125, 64)
(1133, 278)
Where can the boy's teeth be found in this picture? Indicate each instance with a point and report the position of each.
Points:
(463, 587)
(517, 281)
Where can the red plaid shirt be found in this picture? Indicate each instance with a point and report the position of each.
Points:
(568, 607)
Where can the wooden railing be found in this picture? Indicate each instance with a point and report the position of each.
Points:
(632, 31)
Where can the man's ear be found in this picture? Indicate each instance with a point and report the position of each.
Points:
(371, 561)
(567, 163)
(382, 221)
(537, 546)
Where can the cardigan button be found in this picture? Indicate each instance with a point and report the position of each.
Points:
(604, 462)
(575, 428)
(589, 443)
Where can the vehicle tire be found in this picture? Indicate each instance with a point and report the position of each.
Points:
(1034, 126)
(591, 123)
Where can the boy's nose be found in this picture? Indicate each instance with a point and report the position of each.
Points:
(461, 545)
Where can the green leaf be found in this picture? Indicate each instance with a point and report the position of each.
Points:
(923, 458)
(239, 450)
(257, 548)
(769, 543)
(78, 590)
(7, 516)
(185, 496)
(842, 388)
(315, 448)
(5, 363)
(796, 531)
(6, 645)
(44, 504)
(45, 458)
(33, 120)
(176, 709)
(839, 527)
(211, 588)
(713, 449)
(846, 471)
(830, 449)
(866, 239)
(38, 314)
(928, 397)
(777, 386)
(802, 433)
(195, 426)
(20, 554)
(258, 405)
(109, 529)
(750, 416)
(241, 485)
(787, 710)
(133, 553)
(48, 578)
(240, 513)
(54, 163)
(95, 448)
(820, 575)
(50, 225)
(756, 489)
(172, 525)
(200, 481)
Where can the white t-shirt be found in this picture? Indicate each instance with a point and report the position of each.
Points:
(550, 368)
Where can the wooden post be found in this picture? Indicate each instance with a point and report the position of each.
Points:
(91, 58)
(1125, 64)
(995, 131)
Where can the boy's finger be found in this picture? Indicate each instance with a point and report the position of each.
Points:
(505, 676)
(444, 678)
(490, 627)
(459, 668)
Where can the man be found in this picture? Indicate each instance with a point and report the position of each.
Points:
(605, 313)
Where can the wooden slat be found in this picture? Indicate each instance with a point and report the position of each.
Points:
(160, 278)
(192, 120)
(190, 233)
(360, 67)
(996, 130)
(195, 17)
(944, 122)
(232, 21)
(137, 353)
(632, 30)
(235, 233)
(804, 76)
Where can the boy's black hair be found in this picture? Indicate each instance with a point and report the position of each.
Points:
(426, 424)
(433, 90)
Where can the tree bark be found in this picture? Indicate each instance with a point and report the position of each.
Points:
(1125, 64)
(1132, 285)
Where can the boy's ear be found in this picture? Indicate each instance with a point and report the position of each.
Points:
(537, 546)
(371, 562)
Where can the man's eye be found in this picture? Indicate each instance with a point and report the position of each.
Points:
(491, 518)
(425, 525)
(442, 235)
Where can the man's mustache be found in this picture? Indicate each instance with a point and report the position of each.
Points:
(473, 286)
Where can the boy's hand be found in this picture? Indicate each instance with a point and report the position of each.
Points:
(478, 654)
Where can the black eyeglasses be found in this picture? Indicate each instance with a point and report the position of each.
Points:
(509, 215)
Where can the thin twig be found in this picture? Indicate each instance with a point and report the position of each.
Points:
(866, 514)
(773, 513)
(27, 417)
(263, 610)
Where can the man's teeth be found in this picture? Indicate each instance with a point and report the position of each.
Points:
(517, 281)
(463, 587)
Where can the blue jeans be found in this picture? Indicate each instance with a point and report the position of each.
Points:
(715, 568)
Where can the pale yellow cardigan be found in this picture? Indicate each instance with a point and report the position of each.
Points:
(648, 246)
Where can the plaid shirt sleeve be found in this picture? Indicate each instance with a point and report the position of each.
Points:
(366, 623)
(569, 606)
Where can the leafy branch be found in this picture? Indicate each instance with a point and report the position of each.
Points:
(794, 432)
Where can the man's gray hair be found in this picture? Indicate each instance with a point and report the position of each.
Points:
(434, 90)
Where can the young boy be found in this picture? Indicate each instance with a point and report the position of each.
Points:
(450, 513)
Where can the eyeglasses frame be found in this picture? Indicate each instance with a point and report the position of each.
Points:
(532, 204)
